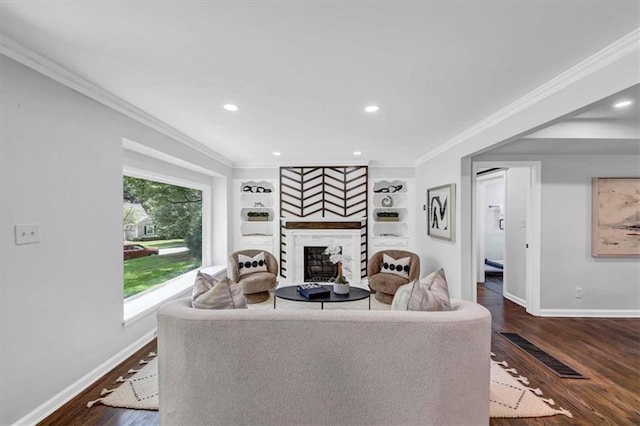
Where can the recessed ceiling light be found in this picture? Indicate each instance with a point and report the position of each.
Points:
(230, 107)
(277, 154)
(622, 104)
(357, 153)
(372, 108)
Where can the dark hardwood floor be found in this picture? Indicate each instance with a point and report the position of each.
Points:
(607, 351)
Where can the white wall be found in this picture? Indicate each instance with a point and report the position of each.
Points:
(610, 285)
(517, 190)
(452, 163)
(61, 299)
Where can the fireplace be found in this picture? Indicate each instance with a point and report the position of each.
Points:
(317, 266)
(306, 240)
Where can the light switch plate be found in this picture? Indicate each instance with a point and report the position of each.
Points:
(27, 234)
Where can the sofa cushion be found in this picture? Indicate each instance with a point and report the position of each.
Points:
(249, 265)
(430, 293)
(398, 267)
(213, 293)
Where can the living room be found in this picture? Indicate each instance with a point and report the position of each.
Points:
(78, 112)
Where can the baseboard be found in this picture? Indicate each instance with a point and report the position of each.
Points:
(515, 299)
(84, 382)
(591, 313)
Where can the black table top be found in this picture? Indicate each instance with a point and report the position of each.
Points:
(291, 293)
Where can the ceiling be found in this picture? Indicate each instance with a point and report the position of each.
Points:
(302, 72)
(596, 129)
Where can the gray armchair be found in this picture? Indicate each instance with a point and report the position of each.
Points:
(255, 285)
(384, 284)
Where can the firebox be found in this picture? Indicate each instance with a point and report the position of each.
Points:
(317, 266)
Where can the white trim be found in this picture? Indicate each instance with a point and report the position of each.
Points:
(626, 45)
(39, 63)
(64, 396)
(139, 306)
(534, 221)
(591, 313)
(515, 299)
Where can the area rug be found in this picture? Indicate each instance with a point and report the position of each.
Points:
(508, 396)
(139, 392)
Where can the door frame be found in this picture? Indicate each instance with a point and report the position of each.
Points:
(533, 220)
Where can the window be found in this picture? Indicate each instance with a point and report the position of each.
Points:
(162, 232)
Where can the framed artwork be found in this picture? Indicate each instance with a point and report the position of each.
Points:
(615, 218)
(441, 212)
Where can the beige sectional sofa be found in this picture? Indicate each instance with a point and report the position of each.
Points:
(323, 367)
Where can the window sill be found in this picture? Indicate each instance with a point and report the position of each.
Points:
(138, 307)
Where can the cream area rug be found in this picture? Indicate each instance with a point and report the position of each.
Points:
(508, 397)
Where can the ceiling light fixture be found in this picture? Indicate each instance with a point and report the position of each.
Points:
(230, 107)
(276, 153)
(622, 104)
(357, 153)
(372, 108)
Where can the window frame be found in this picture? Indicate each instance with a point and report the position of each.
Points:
(138, 306)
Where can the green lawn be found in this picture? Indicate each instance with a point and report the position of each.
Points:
(145, 272)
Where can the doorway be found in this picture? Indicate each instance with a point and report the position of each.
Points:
(519, 217)
(491, 226)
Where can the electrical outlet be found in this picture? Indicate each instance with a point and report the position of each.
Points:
(27, 234)
(578, 292)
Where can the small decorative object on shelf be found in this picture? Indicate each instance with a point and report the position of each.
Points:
(256, 189)
(340, 282)
(387, 201)
(258, 216)
(388, 216)
(389, 189)
(312, 290)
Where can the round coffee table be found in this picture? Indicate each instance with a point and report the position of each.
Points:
(291, 293)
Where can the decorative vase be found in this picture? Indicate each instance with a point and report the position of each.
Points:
(338, 286)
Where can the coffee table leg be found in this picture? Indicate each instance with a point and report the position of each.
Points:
(274, 301)
(369, 302)
(321, 305)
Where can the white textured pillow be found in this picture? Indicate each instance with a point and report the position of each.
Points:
(249, 265)
(213, 293)
(401, 298)
(431, 293)
(395, 266)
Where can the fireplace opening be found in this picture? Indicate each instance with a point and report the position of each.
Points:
(317, 266)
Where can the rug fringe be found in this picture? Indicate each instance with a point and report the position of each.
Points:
(106, 391)
(120, 380)
(152, 354)
(132, 371)
(90, 403)
(536, 391)
(564, 412)
(142, 362)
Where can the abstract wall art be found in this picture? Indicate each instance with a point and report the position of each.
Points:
(441, 211)
(615, 217)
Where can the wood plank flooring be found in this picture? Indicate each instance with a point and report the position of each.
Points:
(607, 351)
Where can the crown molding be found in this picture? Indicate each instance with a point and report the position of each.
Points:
(39, 63)
(623, 47)
(300, 164)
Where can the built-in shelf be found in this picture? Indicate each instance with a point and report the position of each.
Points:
(257, 196)
(390, 196)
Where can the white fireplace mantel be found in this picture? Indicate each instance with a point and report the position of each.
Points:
(297, 239)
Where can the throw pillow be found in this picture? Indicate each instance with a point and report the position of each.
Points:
(213, 293)
(401, 298)
(430, 293)
(249, 265)
(395, 266)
